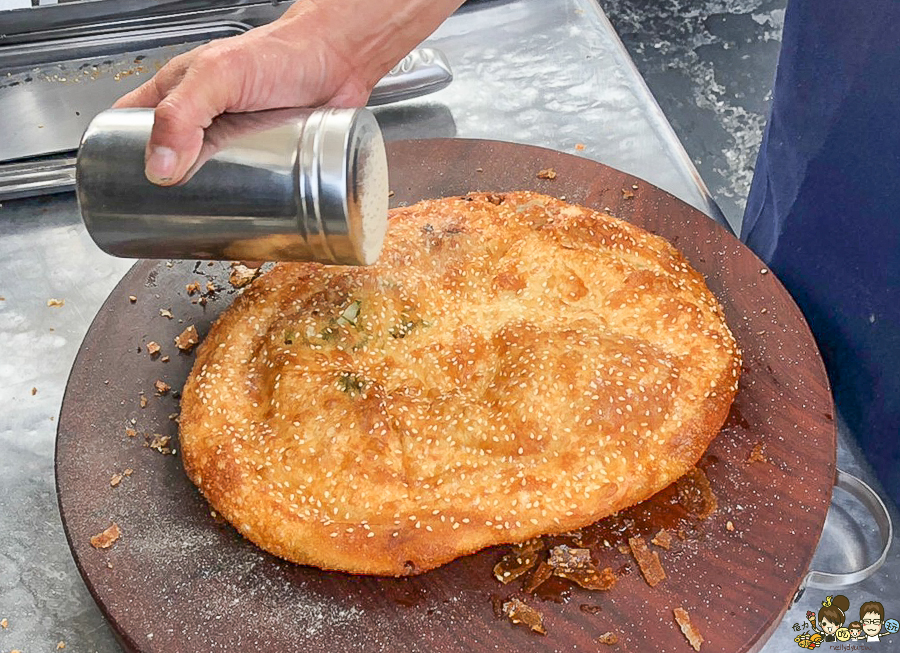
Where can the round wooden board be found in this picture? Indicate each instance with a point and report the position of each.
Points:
(179, 579)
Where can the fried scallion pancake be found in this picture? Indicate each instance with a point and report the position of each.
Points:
(512, 366)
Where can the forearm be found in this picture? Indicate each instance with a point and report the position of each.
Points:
(369, 35)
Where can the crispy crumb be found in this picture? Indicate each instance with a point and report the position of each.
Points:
(518, 561)
(547, 173)
(390, 193)
(757, 454)
(128, 472)
(241, 275)
(519, 612)
(591, 578)
(663, 539)
(164, 359)
(564, 558)
(647, 560)
(192, 288)
(729, 526)
(695, 493)
(56, 303)
(627, 194)
(107, 538)
(4, 623)
(132, 298)
(187, 339)
(115, 480)
(161, 387)
(479, 169)
(542, 574)
(160, 443)
(764, 271)
(130, 432)
(211, 287)
(33, 391)
(143, 400)
(153, 348)
(608, 638)
(579, 147)
(688, 629)
(166, 313)
(60, 645)
(634, 186)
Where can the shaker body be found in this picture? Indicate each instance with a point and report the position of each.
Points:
(289, 185)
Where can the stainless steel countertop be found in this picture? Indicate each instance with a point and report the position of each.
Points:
(543, 72)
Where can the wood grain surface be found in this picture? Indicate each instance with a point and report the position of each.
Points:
(180, 579)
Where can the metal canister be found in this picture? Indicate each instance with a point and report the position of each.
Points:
(283, 185)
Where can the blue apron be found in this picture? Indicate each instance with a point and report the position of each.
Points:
(824, 206)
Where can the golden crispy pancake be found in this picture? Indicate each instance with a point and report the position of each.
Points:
(512, 366)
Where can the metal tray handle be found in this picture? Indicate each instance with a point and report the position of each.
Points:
(873, 503)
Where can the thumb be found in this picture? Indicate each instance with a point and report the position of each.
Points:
(179, 121)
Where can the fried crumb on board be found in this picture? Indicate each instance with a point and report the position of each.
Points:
(647, 560)
(166, 313)
(160, 443)
(4, 623)
(107, 538)
(143, 400)
(241, 275)
(547, 173)
(33, 391)
(627, 194)
(518, 561)
(130, 432)
(663, 539)
(577, 566)
(608, 638)
(192, 288)
(153, 348)
(161, 387)
(60, 645)
(115, 480)
(519, 612)
(187, 339)
(132, 298)
(688, 629)
(695, 493)
(757, 454)
(56, 303)
(579, 147)
(729, 526)
(542, 574)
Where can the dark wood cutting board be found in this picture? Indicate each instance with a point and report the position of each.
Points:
(179, 579)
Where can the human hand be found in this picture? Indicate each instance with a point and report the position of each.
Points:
(319, 53)
(267, 67)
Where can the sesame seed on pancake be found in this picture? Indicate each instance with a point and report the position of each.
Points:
(512, 366)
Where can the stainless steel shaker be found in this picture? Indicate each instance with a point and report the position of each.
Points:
(288, 185)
